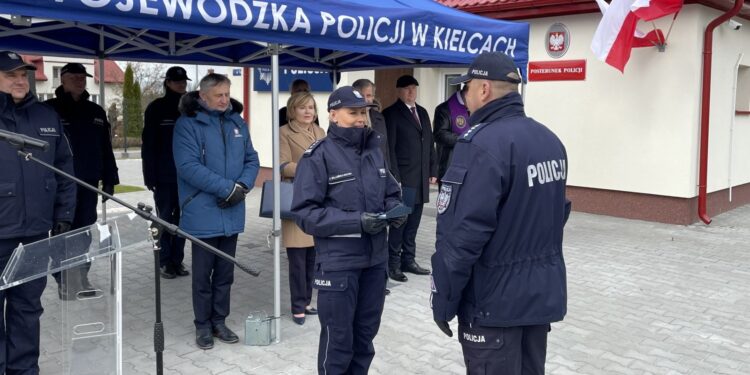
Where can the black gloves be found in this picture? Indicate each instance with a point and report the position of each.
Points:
(236, 196)
(371, 224)
(60, 227)
(443, 325)
(109, 189)
(397, 222)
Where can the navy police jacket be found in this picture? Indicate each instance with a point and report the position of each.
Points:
(501, 212)
(212, 151)
(158, 128)
(88, 131)
(338, 178)
(32, 197)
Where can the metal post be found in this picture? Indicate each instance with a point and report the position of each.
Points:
(101, 84)
(274, 50)
(125, 131)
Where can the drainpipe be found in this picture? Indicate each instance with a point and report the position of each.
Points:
(706, 106)
(246, 94)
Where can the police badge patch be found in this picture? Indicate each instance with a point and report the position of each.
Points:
(444, 198)
(461, 122)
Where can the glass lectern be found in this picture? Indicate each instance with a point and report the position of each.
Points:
(91, 319)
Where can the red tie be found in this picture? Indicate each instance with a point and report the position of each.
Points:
(416, 116)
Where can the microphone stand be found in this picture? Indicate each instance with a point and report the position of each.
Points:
(158, 226)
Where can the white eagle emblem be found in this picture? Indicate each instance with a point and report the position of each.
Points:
(556, 41)
(444, 198)
(265, 75)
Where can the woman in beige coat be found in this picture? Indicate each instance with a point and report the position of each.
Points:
(294, 139)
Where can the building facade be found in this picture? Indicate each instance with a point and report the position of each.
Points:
(633, 138)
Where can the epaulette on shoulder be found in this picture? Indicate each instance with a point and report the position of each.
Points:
(312, 147)
(472, 132)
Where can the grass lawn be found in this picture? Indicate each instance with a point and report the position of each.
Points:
(119, 189)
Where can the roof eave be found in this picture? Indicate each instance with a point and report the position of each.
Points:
(523, 10)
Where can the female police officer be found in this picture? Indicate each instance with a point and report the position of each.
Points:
(341, 186)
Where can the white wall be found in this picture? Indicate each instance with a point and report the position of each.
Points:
(639, 131)
(727, 47)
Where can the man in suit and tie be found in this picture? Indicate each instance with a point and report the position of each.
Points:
(415, 167)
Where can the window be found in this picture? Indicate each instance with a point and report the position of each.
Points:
(56, 76)
(742, 104)
(450, 89)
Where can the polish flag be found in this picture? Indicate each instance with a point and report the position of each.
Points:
(614, 37)
(642, 39)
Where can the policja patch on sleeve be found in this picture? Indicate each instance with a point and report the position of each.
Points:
(444, 198)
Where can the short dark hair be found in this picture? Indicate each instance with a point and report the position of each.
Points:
(362, 83)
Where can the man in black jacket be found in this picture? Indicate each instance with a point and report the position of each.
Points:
(415, 167)
(158, 167)
(377, 121)
(88, 130)
(450, 122)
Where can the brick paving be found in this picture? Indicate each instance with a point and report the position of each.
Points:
(644, 298)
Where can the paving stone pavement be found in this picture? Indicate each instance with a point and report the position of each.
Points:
(643, 298)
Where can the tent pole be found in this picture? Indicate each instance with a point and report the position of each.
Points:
(101, 84)
(274, 50)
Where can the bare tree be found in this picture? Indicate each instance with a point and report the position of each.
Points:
(151, 78)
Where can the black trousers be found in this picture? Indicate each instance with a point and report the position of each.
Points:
(350, 305)
(19, 325)
(504, 351)
(212, 282)
(301, 272)
(168, 208)
(402, 242)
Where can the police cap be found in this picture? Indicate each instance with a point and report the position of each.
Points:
(493, 66)
(347, 97)
(177, 73)
(74, 68)
(10, 61)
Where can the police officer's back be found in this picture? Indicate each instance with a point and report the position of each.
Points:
(501, 210)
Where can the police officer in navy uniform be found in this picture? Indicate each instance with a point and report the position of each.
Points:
(158, 167)
(88, 130)
(342, 185)
(501, 211)
(33, 201)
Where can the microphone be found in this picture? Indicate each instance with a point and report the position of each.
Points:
(21, 141)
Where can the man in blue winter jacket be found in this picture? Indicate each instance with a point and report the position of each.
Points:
(33, 201)
(216, 167)
(501, 211)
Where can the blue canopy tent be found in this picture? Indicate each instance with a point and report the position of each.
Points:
(322, 35)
